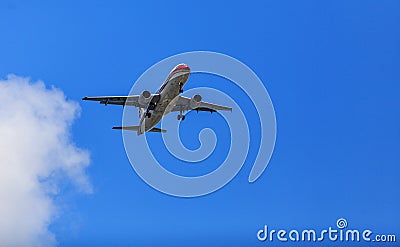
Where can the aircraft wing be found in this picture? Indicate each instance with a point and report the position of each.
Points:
(183, 104)
(132, 100)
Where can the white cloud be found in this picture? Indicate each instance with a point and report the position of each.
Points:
(36, 154)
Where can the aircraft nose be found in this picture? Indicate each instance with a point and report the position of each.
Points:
(182, 66)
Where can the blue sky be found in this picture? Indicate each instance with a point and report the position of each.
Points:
(331, 69)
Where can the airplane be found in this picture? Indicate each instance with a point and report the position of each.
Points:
(153, 107)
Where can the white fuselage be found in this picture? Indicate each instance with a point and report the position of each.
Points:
(168, 91)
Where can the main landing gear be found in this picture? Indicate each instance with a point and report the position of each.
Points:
(151, 106)
(181, 116)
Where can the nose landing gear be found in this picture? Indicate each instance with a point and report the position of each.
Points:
(180, 88)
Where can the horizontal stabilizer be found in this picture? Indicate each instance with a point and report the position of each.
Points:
(157, 130)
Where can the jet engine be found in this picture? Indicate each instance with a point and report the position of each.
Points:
(144, 97)
(195, 101)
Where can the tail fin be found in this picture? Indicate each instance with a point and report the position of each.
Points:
(136, 128)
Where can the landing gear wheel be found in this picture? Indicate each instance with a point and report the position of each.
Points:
(148, 115)
(183, 117)
(180, 88)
